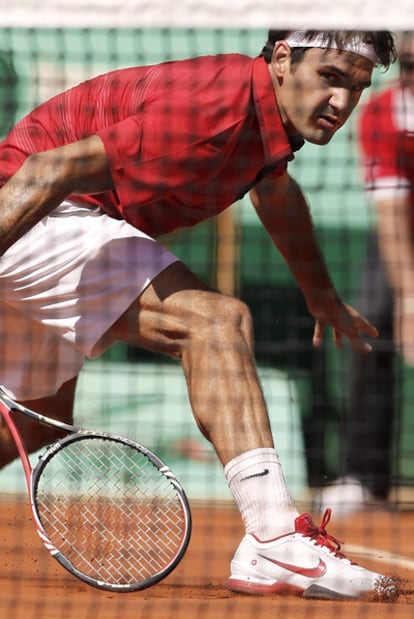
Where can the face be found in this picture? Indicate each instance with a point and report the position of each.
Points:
(317, 95)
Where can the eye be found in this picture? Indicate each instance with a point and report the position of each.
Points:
(332, 78)
(357, 88)
(340, 81)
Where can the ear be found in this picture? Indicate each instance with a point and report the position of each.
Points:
(281, 58)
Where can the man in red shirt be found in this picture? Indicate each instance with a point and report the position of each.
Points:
(139, 152)
(386, 295)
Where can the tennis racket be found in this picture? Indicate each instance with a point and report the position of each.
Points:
(105, 507)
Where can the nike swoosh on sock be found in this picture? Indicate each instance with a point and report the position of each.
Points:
(261, 474)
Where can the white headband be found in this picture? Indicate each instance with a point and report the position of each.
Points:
(355, 45)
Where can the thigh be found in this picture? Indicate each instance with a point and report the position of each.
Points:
(34, 434)
(160, 319)
(77, 271)
(34, 361)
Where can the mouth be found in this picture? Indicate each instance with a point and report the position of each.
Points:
(328, 121)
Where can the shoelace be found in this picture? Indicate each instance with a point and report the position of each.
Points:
(322, 537)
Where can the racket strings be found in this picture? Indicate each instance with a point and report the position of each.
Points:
(110, 511)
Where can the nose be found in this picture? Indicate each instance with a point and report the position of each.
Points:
(340, 99)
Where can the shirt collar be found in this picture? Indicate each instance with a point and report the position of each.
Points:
(276, 143)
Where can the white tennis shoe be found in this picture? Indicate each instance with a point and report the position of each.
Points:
(306, 562)
(346, 496)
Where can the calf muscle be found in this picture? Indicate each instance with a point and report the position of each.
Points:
(212, 334)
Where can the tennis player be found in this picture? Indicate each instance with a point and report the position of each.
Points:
(93, 176)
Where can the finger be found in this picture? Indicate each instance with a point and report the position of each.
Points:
(318, 333)
(362, 324)
(368, 328)
(359, 345)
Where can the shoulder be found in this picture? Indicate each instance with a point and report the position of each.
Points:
(214, 89)
(221, 64)
(219, 76)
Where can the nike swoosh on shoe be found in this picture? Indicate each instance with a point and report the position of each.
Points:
(310, 572)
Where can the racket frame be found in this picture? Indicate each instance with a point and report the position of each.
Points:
(32, 475)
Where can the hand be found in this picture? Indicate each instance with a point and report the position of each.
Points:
(345, 321)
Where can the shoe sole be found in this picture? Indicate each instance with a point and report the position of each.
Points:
(245, 586)
(312, 592)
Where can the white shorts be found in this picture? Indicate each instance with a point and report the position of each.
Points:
(62, 285)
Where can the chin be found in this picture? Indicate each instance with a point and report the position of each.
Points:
(317, 137)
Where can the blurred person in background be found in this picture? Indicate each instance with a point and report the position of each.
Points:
(386, 295)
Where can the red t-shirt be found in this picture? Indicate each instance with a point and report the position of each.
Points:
(184, 139)
(386, 131)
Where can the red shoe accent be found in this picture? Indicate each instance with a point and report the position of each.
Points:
(305, 525)
(309, 572)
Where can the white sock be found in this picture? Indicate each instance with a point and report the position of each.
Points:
(258, 485)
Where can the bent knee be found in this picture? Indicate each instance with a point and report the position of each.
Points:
(235, 314)
(224, 317)
(193, 314)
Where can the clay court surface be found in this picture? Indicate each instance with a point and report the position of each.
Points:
(34, 586)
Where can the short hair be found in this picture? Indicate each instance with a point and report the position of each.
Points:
(381, 40)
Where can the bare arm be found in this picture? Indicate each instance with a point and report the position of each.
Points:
(47, 178)
(284, 213)
(396, 243)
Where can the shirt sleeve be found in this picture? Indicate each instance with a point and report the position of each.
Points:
(381, 147)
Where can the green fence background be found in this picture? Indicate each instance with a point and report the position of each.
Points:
(36, 63)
